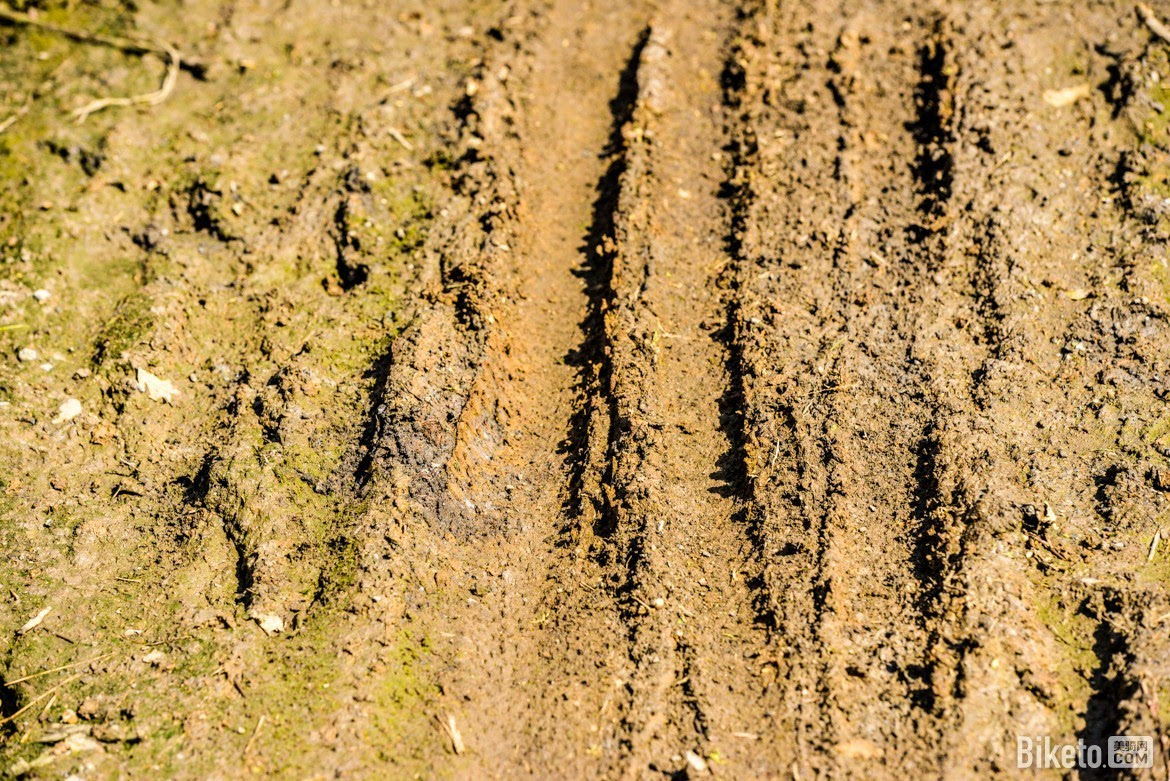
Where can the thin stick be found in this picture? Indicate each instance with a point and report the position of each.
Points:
(1153, 22)
(146, 98)
(40, 697)
(45, 710)
(20, 112)
(396, 134)
(255, 732)
(59, 669)
(128, 45)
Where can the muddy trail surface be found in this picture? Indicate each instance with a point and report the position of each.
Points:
(549, 389)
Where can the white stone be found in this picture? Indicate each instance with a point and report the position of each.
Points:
(69, 409)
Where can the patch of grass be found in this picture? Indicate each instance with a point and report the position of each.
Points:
(17, 241)
(1074, 632)
(130, 322)
(400, 696)
(1155, 128)
(1160, 270)
(340, 568)
(298, 689)
(1153, 135)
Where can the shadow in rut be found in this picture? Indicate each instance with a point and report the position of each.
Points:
(374, 428)
(590, 357)
(731, 468)
(1110, 689)
(9, 700)
(928, 556)
(932, 125)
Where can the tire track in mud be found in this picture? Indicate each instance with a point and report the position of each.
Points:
(476, 455)
(902, 650)
(1124, 339)
(972, 537)
(844, 470)
(503, 295)
(1002, 551)
(653, 442)
(837, 153)
(670, 536)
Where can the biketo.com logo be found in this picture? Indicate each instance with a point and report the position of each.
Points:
(1042, 753)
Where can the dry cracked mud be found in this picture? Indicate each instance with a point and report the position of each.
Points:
(583, 389)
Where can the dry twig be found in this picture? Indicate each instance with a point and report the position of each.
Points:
(59, 669)
(453, 733)
(129, 45)
(255, 732)
(1153, 22)
(146, 98)
(40, 697)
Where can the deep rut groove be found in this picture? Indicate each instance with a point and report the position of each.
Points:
(595, 411)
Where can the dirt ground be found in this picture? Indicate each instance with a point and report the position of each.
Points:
(582, 388)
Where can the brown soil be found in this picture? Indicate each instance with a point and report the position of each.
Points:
(674, 388)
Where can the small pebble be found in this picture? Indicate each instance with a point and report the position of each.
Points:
(27, 355)
(69, 409)
(271, 623)
(41, 295)
(155, 387)
(155, 657)
(697, 763)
